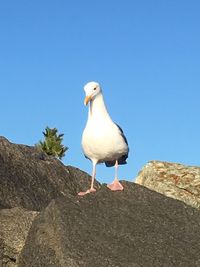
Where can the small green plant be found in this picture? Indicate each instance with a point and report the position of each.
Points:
(52, 144)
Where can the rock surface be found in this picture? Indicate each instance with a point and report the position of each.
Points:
(14, 226)
(173, 180)
(30, 179)
(44, 221)
(134, 228)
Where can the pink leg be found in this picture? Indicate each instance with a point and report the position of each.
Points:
(116, 185)
(91, 189)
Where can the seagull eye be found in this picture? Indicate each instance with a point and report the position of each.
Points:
(95, 88)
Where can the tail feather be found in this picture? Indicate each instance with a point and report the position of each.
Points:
(121, 161)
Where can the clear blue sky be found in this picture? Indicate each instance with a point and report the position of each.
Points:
(145, 54)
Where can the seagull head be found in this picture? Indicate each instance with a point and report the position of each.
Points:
(92, 89)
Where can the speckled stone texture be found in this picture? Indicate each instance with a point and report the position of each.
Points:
(134, 228)
(30, 179)
(43, 223)
(173, 180)
(14, 226)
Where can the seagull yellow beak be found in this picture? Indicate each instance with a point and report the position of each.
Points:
(87, 99)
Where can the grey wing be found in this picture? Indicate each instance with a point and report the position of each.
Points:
(122, 159)
(122, 133)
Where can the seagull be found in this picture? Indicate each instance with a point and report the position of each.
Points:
(103, 141)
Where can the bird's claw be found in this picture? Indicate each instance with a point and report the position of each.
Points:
(91, 190)
(115, 186)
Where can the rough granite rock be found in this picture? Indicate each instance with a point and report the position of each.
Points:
(31, 179)
(173, 180)
(14, 226)
(134, 228)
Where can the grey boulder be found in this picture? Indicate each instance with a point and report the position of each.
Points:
(133, 228)
(14, 226)
(173, 180)
(30, 179)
